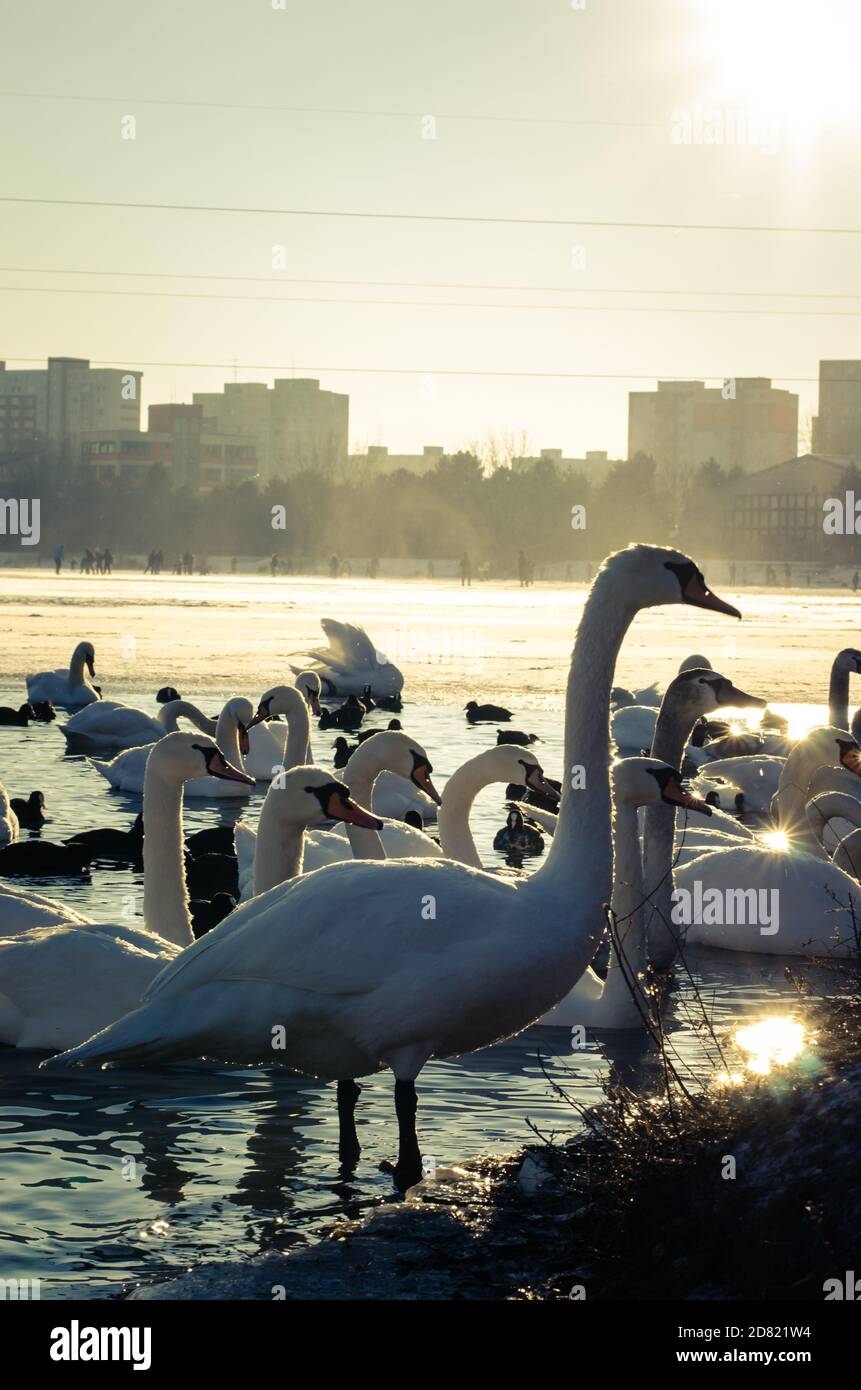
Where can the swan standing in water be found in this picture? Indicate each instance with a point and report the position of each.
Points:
(71, 688)
(351, 664)
(372, 964)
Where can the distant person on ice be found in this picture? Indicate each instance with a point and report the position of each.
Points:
(58, 558)
(465, 571)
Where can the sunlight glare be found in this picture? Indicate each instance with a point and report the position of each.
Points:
(774, 1042)
(793, 61)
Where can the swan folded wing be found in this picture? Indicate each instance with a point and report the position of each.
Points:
(298, 934)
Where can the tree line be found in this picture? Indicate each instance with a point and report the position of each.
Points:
(460, 506)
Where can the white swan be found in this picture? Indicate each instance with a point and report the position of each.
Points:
(70, 688)
(633, 727)
(268, 738)
(384, 964)
(834, 817)
(794, 901)
(351, 663)
(504, 763)
(259, 870)
(754, 779)
(127, 771)
(621, 1001)
(109, 724)
(9, 826)
(59, 982)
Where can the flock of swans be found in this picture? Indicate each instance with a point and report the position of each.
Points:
(362, 943)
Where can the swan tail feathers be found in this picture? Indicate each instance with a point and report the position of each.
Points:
(148, 1034)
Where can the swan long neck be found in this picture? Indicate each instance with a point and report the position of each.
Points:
(361, 772)
(165, 893)
(617, 999)
(582, 846)
(174, 710)
(838, 695)
(832, 806)
(280, 845)
(790, 801)
(460, 792)
(78, 673)
(297, 749)
(672, 732)
(227, 737)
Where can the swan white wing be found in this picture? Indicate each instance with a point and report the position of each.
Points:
(400, 841)
(267, 743)
(245, 840)
(797, 886)
(20, 911)
(348, 927)
(349, 645)
(126, 771)
(107, 723)
(60, 984)
(393, 796)
(633, 726)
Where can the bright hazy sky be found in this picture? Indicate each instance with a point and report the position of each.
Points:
(579, 106)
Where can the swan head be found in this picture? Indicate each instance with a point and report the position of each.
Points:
(178, 757)
(281, 699)
(650, 782)
(700, 690)
(655, 575)
(694, 663)
(394, 751)
(309, 796)
(240, 712)
(849, 660)
(310, 685)
(85, 652)
(508, 762)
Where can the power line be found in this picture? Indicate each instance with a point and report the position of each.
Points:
(436, 217)
(435, 304)
(427, 371)
(423, 284)
(492, 118)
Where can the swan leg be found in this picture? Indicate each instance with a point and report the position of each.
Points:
(349, 1147)
(408, 1169)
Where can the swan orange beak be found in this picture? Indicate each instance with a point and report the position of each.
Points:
(421, 777)
(218, 766)
(675, 792)
(91, 667)
(538, 782)
(261, 716)
(697, 594)
(344, 808)
(314, 702)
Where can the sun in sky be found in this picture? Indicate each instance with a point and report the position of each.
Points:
(793, 62)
